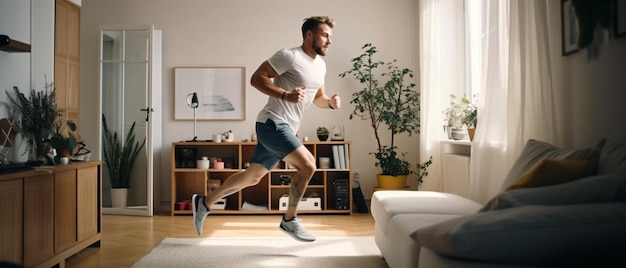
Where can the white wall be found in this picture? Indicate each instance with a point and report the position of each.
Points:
(30, 22)
(590, 92)
(245, 33)
(14, 67)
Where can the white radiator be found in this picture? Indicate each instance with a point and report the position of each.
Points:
(456, 174)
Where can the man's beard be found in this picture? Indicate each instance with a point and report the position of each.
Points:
(319, 50)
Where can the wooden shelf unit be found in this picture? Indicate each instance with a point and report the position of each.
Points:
(186, 179)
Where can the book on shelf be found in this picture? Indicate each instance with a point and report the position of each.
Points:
(342, 157)
(347, 155)
(336, 155)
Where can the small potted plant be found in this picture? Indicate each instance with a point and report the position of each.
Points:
(322, 133)
(63, 140)
(454, 117)
(471, 120)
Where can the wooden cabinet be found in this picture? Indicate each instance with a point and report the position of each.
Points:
(331, 186)
(11, 222)
(38, 219)
(67, 58)
(65, 207)
(88, 209)
(50, 213)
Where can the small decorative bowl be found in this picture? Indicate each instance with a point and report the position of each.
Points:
(203, 164)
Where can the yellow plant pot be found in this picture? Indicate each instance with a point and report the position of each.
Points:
(391, 182)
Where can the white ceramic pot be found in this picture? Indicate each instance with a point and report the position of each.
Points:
(458, 133)
(119, 197)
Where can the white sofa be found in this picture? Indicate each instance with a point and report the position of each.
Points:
(557, 208)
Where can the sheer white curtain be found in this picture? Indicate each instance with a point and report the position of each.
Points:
(442, 72)
(516, 96)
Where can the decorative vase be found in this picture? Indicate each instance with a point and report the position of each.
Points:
(470, 132)
(118, 197)
(322, 137)
(20, 148)
(391, 182)
(337, 133)
(448, 131)
(458, 133)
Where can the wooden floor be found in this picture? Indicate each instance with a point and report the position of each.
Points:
(125, 239)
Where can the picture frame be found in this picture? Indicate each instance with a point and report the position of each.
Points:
(569, 28)
(620, 18)
(220, 91)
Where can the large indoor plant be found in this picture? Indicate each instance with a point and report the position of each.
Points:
(392, 105)
(120, 157)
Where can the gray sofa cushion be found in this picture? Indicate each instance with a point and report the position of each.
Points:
(612, 157)
(601, 188)
(591, 234)
(535, 151)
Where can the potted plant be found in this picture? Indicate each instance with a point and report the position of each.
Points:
(322, 133)
(471, 121)
(120, 157)
(454, 117)
(35, 115)
(64, 138)
(392, 106)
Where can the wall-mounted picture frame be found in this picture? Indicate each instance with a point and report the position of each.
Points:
(220, 92)
(569, 28)
(620, 18)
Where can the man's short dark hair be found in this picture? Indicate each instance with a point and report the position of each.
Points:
(312, 23)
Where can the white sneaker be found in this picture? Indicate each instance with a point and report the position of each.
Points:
(295, 230)
(200, 211)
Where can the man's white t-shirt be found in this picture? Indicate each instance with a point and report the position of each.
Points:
(295, 69)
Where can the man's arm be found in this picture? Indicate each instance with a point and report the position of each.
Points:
(262, 80)
(325, 102)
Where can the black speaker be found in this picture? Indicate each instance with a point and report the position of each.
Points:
(342, 194)
(359, 201)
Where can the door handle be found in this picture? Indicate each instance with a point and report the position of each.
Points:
(147, 110)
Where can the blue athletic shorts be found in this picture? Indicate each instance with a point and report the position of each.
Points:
(275, 141)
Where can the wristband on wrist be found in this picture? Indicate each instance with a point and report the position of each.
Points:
(329, 105)
(283, 96)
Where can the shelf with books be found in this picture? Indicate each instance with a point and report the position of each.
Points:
(263, 198)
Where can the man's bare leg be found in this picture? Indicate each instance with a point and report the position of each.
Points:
(201, 204)
(304, 162)
(249, 177)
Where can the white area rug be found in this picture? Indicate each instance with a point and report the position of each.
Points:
(238, 252)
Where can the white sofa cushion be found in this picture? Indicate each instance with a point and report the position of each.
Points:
(535, 151)
(600, 188)
(402, 250)
(592, 234)
(388, 203)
